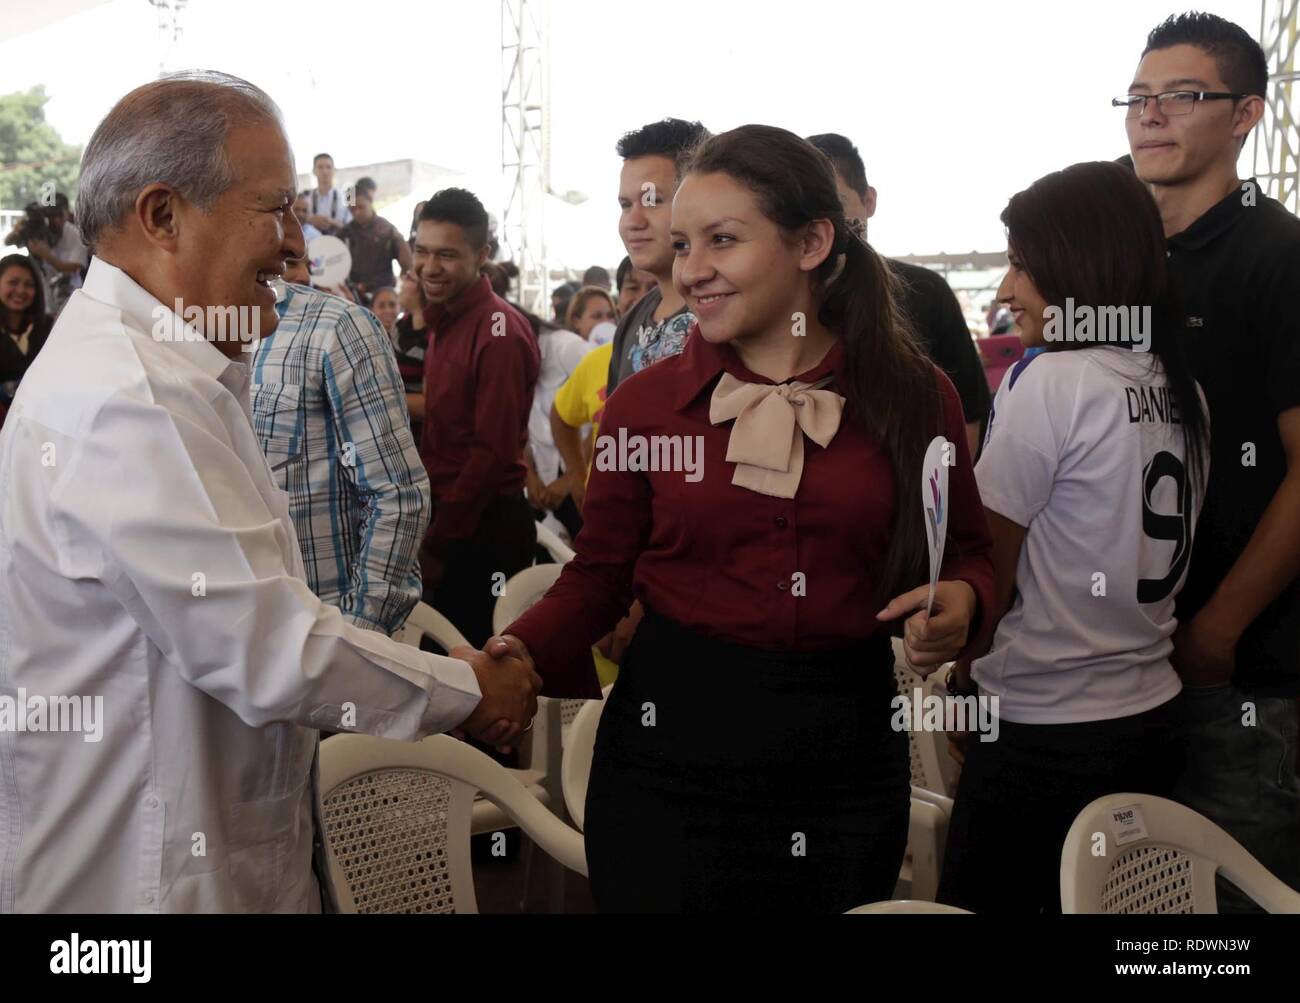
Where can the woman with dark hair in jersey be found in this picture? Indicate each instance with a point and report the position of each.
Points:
(760, 495)
(1092, 475)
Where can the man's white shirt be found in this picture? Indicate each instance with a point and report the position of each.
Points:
(332, 203)
(149, 559)
(561, 351)
(1081, 451)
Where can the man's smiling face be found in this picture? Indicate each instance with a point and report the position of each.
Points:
(230, 255)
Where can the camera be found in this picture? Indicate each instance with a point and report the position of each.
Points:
(32, 226)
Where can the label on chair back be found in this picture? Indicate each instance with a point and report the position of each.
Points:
(1126, 824)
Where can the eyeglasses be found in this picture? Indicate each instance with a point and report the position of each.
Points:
(1170, 102)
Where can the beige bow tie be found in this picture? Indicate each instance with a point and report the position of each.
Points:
(766, 444)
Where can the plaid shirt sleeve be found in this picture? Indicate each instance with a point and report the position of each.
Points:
(372, 429)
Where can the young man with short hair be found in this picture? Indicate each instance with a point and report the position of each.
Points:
(480, 372)
(656, 327)
(375, 244)
(1234, 257)
(328, 208)
(927, 299)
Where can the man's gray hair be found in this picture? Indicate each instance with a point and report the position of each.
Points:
(172, 130)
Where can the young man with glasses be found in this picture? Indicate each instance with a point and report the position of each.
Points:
(1234, 256)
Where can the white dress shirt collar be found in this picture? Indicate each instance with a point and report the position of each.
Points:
(145, 312)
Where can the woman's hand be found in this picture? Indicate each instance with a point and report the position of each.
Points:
(928, 642)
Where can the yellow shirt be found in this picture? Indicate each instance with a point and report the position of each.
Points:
(582, 397)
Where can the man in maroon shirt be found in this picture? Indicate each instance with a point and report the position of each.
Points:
(479, 374)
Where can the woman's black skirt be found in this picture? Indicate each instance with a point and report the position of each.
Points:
(729, 779)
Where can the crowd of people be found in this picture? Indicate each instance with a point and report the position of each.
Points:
(222, 533)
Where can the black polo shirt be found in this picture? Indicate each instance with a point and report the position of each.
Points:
(1237, 273)
(940, 327)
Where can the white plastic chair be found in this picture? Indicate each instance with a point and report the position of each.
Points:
(575, 765)
(934, 774)
(397, 817)
(1157, 856)
(906, 905)
(521, 591)
(540, 751)
(927, 837)
(933, 767)
(425, 621)
(553, 545)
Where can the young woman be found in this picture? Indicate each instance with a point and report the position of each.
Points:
(410, 336)
(745, 759)
(1092, 473)
(384, 306)
(561, 350)
(24, 324)
(590, 306)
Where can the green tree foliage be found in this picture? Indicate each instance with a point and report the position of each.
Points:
(32, 156)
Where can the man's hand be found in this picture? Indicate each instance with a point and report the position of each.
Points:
(553, 494)
(503, 734)
(509, 703)
(1204, 651)
(534, 489)
(928, 643)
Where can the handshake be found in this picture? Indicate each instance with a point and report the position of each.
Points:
(509, 684)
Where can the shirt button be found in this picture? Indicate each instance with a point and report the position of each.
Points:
(151, 802)
(148, 898)
(782, 586)
(781, 522)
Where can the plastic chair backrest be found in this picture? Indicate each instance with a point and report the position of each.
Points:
(553, 545)
(906, 905)
(397, 818)
(520, 592)
(1134, 854)
(932, 766)
(575, 767)
(425, 621)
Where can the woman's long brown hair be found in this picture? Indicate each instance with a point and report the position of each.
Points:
(892, 390)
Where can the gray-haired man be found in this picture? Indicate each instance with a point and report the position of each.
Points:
(150, 564)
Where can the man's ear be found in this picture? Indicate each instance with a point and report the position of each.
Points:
(870, 202)
(157, 213)
(1247, 116)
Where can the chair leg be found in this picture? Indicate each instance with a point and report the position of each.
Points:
(543, 882)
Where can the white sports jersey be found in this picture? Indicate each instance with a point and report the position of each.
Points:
(1084, 448)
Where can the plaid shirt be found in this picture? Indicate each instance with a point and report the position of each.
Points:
(330, 412)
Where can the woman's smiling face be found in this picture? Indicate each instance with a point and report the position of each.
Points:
(736, 269)
(17, 290)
